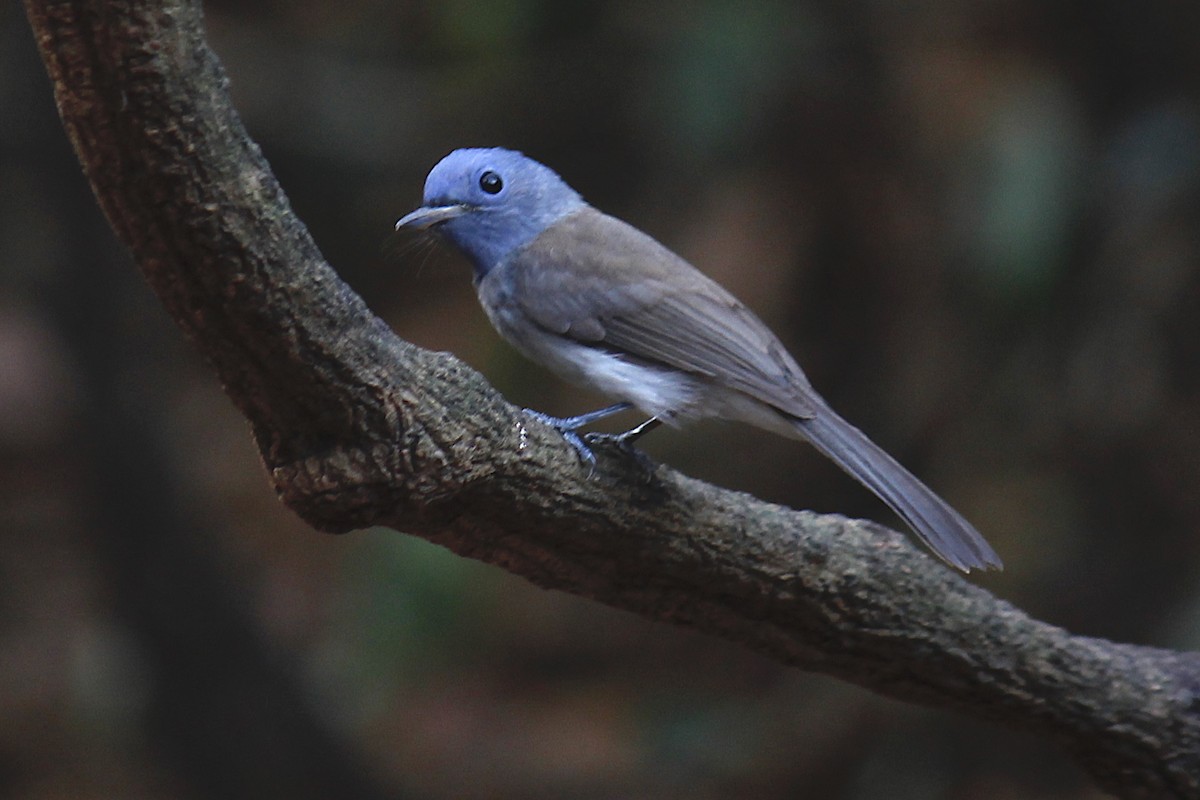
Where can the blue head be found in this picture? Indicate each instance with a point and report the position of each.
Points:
(491, 202)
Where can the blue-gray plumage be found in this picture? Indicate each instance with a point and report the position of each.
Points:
(608, 307)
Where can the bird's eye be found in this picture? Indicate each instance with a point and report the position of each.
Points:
(490, 182)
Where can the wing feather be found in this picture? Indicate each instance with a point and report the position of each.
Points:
(595, 279)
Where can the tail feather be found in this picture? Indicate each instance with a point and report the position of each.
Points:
(942, 528)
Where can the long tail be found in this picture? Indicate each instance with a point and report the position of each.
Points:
(941, 527)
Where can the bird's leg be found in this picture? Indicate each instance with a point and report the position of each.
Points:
(624, 441)
(633, 434)
(567, 426)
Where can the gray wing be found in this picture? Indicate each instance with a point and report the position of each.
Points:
(595, 279)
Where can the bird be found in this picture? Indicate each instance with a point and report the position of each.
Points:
(608, 307)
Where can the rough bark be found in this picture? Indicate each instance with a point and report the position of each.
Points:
(357, 427)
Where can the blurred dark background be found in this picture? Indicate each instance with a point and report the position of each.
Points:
(974, 224)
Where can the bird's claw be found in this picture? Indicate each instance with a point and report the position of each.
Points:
(581, 447)
(568, 428)
(623, 442)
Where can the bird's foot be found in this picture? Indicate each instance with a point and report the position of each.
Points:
(625, 442)
(568, 427)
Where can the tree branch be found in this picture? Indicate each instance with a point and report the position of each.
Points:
(357, 428)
